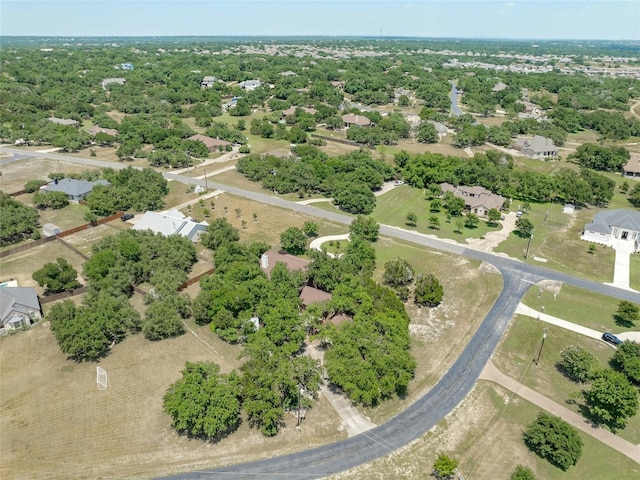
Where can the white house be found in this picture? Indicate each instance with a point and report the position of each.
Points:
(614, 226)
(171, 222)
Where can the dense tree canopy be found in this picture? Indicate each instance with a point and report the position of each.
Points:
(204, 403)
(554, 440)
(627, 360)
(612, 399)
(57, 277)
(17, 221)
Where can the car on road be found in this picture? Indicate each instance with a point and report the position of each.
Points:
(126, 216)
(611, 338)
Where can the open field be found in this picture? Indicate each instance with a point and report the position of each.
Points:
(590, 309)
(21, 266)
(558, 241)
(56, 424)
(485, 434)
(520, 347)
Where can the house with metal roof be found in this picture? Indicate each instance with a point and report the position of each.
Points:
(19, 307)
(171, 222)
(610, 227)
(75, 189)
(111, 81)
(69, 122)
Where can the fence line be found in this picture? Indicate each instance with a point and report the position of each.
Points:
(67, 294)
(195, 279)
(40, 241)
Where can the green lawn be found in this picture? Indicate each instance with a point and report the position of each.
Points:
(590, 309)
(520, 347)
(557, 239)
(392, 209)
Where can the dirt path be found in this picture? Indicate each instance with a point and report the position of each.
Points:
(492, 374)
(633, 109)
(354, 421)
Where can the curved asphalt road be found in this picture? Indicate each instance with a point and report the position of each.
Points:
(426, 412)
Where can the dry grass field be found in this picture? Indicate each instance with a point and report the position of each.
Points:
(57, 424)
(16, 174)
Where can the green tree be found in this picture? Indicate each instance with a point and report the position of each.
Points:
(554, 440)
(428, 291)
(355, 198)
(412, 218)
(522, 473)
(471, 220)
(627, 314)
(493, 215)
(57, 277)
(427, 133)
(524, 227)
(219, 233)
(577, 363)
(445, 466)
(436, 205)
(454, 205)
(204, 403)
(293, 241)
(34, 185)
(434, 222)
(163, 318)
(365, 228)
(55, 200)
(310, 228)
(398, 272)
(634, 196)
(612, 399)
(627, 360)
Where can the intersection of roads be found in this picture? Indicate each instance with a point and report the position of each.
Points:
(427, 411)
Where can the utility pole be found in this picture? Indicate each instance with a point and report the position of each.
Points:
(544, 336)
(299, 392)
(206, 187)
(529, 245)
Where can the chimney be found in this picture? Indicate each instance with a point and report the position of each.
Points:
(264, 261)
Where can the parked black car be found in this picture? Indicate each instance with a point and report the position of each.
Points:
(611, 338)
(126, 216)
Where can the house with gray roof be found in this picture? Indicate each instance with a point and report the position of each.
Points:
(171, 222)
(64, 121)
(249, 85)
(610, 227)
(538, 147)
(208, 82)
(111, 81)
(19, 307)
(76, 190)
(477, 199)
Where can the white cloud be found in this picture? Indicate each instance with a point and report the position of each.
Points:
(509, 5)
(408, 5)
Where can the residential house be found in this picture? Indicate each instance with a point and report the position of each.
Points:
(440, 128)
(310, 295)
(350, 119)
(292, 110)
(126, 66)
(212, 144)
(208, 82)
(269, 259)
(96, 129)
(171, 222)
(65, 121)
(611, 227)
(632, 167)
(19, 307)
(477, 199)
(76, 190)
(538, 147)
(498, 87)
(249, 85)
(289, 73)
(109, 81)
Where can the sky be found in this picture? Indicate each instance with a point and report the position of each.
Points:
(516, 19)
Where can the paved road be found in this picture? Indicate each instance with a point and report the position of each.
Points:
(437, 402)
